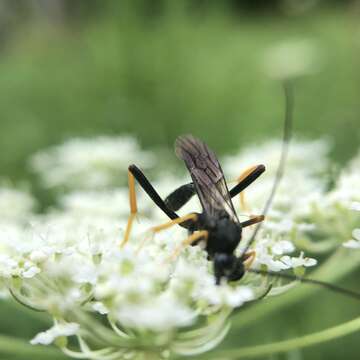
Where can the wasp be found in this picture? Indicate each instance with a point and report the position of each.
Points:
(218, 224)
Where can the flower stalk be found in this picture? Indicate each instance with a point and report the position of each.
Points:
(288, 345)
(336, 267)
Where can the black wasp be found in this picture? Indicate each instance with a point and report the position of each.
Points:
(218, 224)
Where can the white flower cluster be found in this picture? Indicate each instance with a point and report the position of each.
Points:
(354, 243)
(305, 210)
(302, 187)
(347, 190)
(89, 164)
(291, 59)
(69, 262)
(15, 205)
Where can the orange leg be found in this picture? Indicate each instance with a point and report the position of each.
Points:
(243, 205)
(170, 223)
(152, 231)
(254, 219)
(133, 208)
(249, 259)
(188, 241)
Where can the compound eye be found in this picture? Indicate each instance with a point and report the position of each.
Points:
(238, 272)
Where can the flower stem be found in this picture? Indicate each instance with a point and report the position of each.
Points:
(337, 266)
(287, 345)
(13, 346)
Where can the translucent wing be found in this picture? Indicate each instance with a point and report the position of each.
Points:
(207, 175)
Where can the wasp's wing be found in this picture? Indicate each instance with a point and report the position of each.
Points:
(207, 175)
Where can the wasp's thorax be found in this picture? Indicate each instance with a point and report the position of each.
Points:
(224, 234)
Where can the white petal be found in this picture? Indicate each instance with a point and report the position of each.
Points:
(100, 308)
(48, 336)
(356, 234)
(352, 244)
(355, 206)
(30, 272)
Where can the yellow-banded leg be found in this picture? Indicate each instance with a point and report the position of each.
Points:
(249, 259)
(243, 205)
(155, 229)
(254, 219)
(133, 208)
(202, 234)
(179, 220)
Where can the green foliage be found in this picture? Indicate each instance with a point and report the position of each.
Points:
(175, 74)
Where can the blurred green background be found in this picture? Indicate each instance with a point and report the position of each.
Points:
(157, 69)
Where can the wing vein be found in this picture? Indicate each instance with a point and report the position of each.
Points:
(207, 176)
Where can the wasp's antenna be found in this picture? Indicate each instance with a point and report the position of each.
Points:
(326, 285)
(288, 120)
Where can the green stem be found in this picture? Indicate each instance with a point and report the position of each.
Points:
(319, 247)
(337, 266)
(287, 345)
(13, 346)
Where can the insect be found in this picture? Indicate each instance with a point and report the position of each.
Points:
(218, 224)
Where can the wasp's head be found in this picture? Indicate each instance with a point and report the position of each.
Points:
(228, 266)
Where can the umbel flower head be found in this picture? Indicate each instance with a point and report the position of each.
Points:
(88, 164)
(109, 302)
(76, 271)
(291, 59)
(16, 205)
